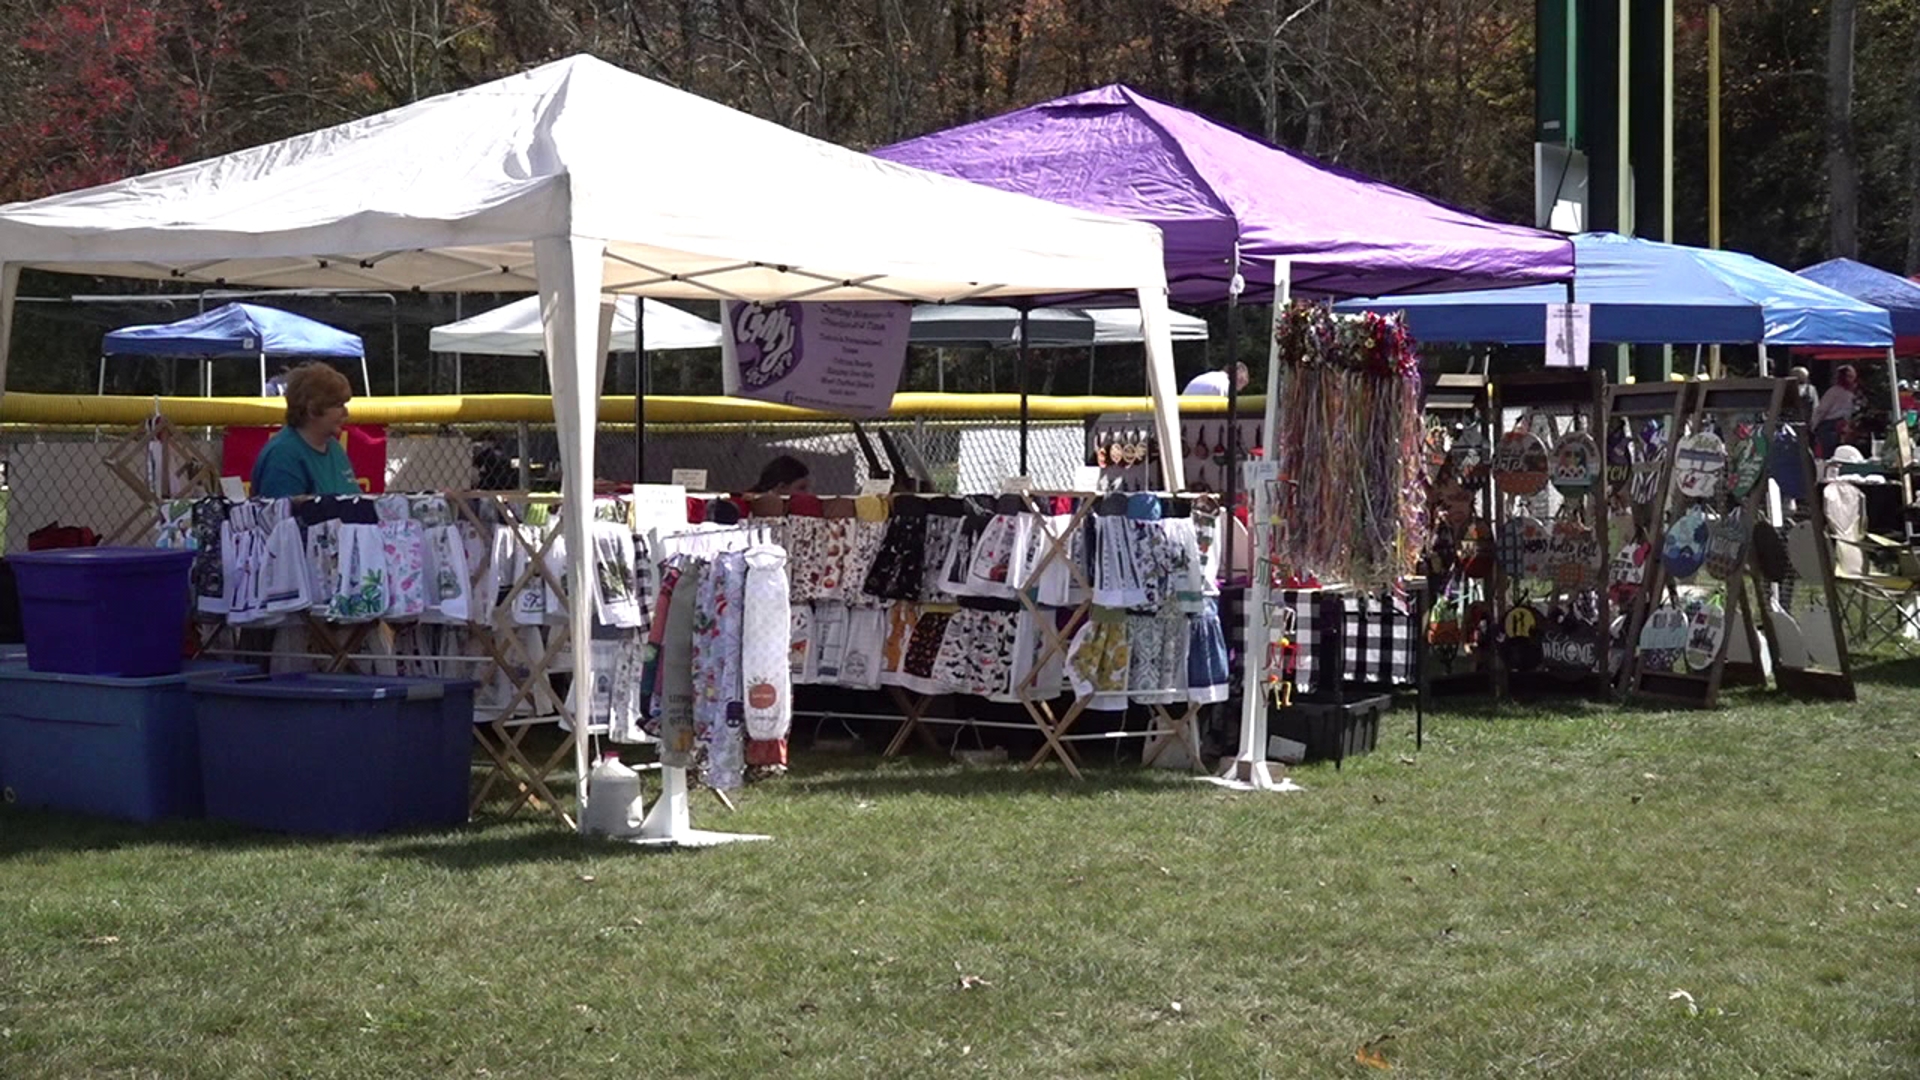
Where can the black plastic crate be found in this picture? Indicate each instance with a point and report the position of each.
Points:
(1332, 730)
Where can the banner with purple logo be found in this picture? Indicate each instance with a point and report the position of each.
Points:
(838, 358)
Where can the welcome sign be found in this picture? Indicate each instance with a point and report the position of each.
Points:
(838, 358)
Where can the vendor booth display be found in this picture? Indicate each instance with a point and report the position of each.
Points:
(1719, 577)
(1643, 292)
(1551, 536)
(514, 185)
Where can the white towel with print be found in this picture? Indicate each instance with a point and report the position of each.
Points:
(449, 583)
(616, 601)
(285, 587)
(765, 642)
(866, 638)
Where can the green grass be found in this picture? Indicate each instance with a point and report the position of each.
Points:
(1520, 898)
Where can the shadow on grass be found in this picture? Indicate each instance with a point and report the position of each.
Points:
(1902, 673)
(29, 833)
(932, 777)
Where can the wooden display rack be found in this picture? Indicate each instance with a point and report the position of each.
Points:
(1568, 393)
(1722, 402)
(1670, 403)
(1465, 398)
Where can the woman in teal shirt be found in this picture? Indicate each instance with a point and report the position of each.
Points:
(306, 457)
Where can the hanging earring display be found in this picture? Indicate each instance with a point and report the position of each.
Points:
(1685, 549)
(1520, 463)
(1700, 465)
(1576, 465)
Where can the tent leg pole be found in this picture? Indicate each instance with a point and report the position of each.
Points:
(1023, 391)
(103, 376)
(1090, 351)
(1232, 479)
(640, 382)
(1763, 359)
(940, 370)
(263, 374)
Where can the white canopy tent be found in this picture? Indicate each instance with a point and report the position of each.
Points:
(519, 184)
(514, 329)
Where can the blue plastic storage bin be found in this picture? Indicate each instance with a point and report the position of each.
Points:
(104, 611)
(125, 748)
(336, 753)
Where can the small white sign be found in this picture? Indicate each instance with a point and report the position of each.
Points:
(691, 479)
(1569, 334)
(876, 485)
(1016, 485)
(234, 488)
(1087, 478)
(659, 506)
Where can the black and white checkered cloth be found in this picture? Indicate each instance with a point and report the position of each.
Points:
(1380, 636)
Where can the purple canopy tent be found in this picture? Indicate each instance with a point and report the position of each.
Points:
(1225, 199)
(1229, 205)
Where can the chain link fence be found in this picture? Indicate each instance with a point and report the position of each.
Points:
(101, 477)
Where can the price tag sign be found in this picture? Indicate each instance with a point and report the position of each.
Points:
(691, 479)
(1569, 334)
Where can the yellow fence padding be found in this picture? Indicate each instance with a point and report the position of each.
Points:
(87, 409)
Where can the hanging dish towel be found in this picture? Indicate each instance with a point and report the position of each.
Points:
(285, 583)
(359, 591)
(403, 542)
(866, 635)
(450, 600)
(615, 596)
(676, 671)
(766, 639)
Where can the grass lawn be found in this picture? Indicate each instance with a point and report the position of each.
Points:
(1526, 896)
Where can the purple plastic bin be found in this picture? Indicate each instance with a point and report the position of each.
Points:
(104, 611)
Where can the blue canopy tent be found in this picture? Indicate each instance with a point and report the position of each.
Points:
(1645, 292)
(236, 331)
(1899, 296)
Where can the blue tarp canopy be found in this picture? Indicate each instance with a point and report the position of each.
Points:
(236, 331)
(1648, 293)
(1900, 297)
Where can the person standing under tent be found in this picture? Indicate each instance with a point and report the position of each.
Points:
(1214, 383)
(784, 475)
(1804, 398)
(305, 457)
(1834, 413)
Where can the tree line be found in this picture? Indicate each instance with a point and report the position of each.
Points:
(1822, 106)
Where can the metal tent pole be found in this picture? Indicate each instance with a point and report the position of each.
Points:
(640, 382)
(1023, 391)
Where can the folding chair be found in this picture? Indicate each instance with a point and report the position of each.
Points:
(1879, 585)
